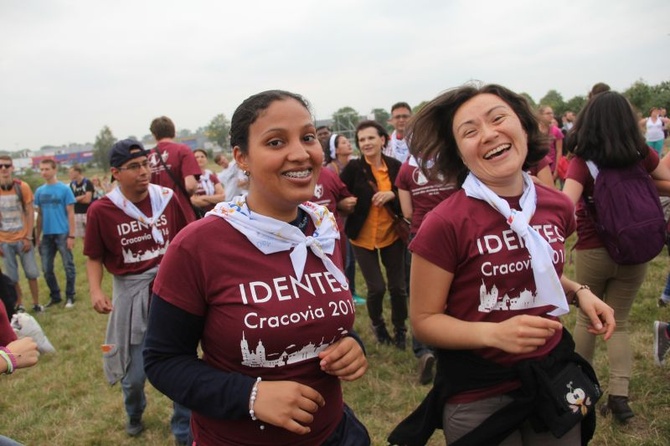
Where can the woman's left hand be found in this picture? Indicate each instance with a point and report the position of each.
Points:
(600, 314)
(381, 198)
(344, 359)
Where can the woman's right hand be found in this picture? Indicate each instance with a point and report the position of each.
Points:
(522, 334)
(24, 351)
(287, 404)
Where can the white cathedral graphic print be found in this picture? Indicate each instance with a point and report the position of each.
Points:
(489, 300)
(290, 355)
(133, 257)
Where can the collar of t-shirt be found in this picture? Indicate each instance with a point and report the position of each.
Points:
(270, 235)
(548, 285)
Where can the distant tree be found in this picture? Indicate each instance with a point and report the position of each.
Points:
(529, 98)
(103, 143)
(184, 133)
(345, 121)
(641, 96)
(575, 104)
(555, 100)
(419, 106)
(382, 117)
(218, 130)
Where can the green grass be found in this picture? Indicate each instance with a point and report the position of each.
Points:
(65, 399)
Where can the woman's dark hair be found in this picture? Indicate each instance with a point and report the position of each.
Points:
(607, 132)
(201, 151)
(430, 132)
(249, 110)
(381, 131)
(326, 149)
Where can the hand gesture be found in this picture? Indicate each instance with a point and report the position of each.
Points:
(101, 303)
(522, 334)
(287, 404)
(344, 359)
(600, 314)
(24, 351)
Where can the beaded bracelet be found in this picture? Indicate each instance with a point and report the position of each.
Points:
(252, 398)
(9, 358)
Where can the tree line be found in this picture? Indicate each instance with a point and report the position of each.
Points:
(642, 95)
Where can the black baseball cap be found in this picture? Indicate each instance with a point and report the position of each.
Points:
(125, 150)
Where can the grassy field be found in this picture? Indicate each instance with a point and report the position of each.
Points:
(65, 400)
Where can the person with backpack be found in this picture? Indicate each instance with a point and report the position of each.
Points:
(83, 190)
(620, 225)
(17, 220)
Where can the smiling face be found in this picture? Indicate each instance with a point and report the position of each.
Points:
(491, 142)
(133, 178)
(201, 158)
(283, 159)
(370, 143)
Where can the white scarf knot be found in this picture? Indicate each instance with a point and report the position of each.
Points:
(159, 196)
(548, 285)
(270, 235)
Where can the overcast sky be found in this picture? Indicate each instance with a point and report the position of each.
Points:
(68, 68)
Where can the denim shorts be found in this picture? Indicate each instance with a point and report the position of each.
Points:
(10, 251)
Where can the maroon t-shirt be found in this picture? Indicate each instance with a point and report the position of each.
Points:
(493, 280)
(426, 194)
(125, 245)
(587, 237)
(259, 321)
(180, 160)
(7, 334)
(214, 180)
(329, 190)
(544, 162)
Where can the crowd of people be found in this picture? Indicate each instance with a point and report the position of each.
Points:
(488, 190)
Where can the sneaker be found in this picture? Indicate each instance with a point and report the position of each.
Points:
(19, 309)
(69, 303)
(37, 308)
(134, 427)
(358, 300)
(661, 342)
(53, 303)
(382, 334)
(619, 407)
(426, 363)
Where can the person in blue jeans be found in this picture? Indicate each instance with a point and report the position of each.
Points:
(55, 224)
(127, 233)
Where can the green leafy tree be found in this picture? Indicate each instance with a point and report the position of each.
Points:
(218, 130)
(418, 107)
(530, 99)
(345, 121)
(184, 133)
(554, 100)
(382, 117)
(641, 96)
(103, 143)
(575, 104)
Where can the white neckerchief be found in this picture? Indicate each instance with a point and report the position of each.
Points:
(400, 149)
(547, 283)
(159, 196)
(206, 182)
(270, 235)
